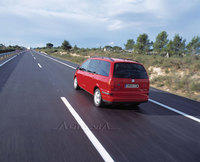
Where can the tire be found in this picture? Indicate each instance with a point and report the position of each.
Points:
(136, 104)
(76, 86)
(98, 102)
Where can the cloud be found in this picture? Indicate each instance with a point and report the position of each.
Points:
(97, 22)
(103, 11)
(116, 24)
(111, 43)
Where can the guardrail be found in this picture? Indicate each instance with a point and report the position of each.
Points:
(7, 55)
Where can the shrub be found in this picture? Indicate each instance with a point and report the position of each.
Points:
(195, 86)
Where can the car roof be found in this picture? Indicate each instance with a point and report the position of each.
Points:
(114, 60)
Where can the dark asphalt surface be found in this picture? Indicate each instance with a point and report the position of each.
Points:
(36, 126)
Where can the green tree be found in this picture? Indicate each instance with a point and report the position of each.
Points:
(176, 46)
(108, 48)
(49, 45)
(66, 45)
(129, 44)
(193, 46)
(179, 45)
(143, 44)
(117, 48)
(2, 46)
(76, 48)
(161, 42)
(170, 48)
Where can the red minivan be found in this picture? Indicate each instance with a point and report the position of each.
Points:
(113, 80)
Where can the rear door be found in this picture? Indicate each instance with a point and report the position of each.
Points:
(103, 76)
(130, 77)
(98, 75)
(90, 76)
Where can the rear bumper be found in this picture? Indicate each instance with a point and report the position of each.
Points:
(125, 102)
(126, 97)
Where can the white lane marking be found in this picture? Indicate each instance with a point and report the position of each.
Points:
(59, 61)
(39, 65)
(177, 111)
(102, 151)
(34, 58)
(158, 103)
(8, 60)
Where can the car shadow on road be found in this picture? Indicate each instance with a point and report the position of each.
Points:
(144, 108)
(120, 106)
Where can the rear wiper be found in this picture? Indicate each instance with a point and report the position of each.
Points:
(132, 76)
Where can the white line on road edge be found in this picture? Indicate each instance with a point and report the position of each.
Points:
(59, 61)
(158, 103)
(34, 58)
(104, 154)
(7, 60)
(177, 111)
(39, 65)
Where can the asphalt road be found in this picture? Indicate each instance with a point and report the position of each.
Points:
(37, 126)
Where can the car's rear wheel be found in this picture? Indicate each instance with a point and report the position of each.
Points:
(76, 86)
(136, 104)
(98, 98)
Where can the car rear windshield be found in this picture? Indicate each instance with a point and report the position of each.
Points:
(129, 70)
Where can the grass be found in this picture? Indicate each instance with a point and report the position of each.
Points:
(187, 84)
(77, 60)
(184, 86)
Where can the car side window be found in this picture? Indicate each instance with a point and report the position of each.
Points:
(84, 66)
(103, 68)
(93, 66)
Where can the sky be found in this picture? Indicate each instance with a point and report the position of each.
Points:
(95, 23)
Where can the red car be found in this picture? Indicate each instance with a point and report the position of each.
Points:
(113, 80)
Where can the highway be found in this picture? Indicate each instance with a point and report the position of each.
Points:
(42, 118)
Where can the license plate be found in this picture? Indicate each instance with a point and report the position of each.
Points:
(131, 86)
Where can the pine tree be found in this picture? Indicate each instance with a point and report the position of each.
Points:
(161, 42)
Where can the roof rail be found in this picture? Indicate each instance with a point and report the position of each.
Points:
(129, 59)
(103, 57)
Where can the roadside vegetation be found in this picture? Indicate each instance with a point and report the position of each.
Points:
(4, 49)
(172, 65)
